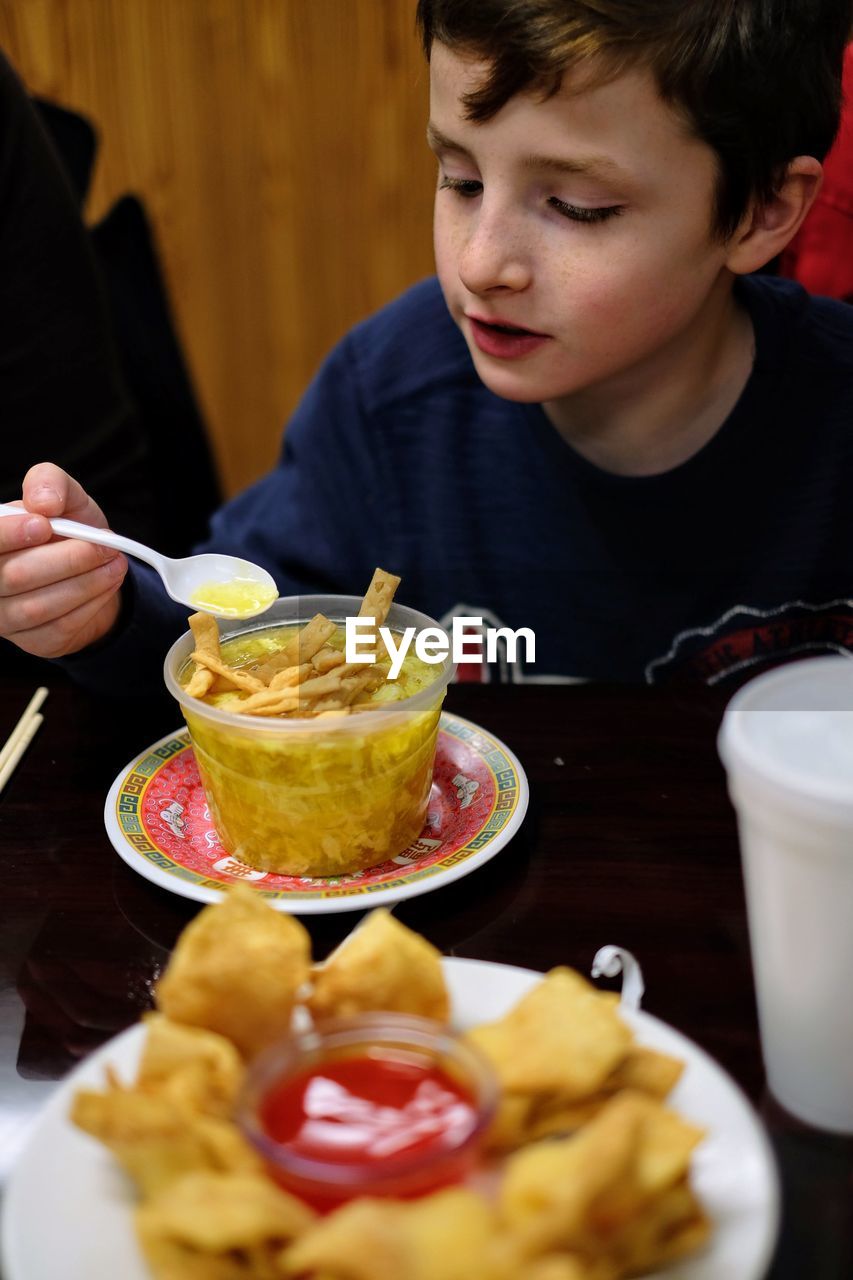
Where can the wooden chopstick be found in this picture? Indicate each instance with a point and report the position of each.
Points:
(21, 736)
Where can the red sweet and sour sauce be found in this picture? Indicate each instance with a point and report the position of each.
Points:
(381, 1123)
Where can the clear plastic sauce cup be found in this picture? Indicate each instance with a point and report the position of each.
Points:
(380, 1104)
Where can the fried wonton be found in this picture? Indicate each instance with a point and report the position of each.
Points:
(449, 1235)
(158, 1142)
(526, 1117)
(522, 1118)
(564, 1266)
(219, 1227)
(560, 1038)
(674, 1226)
(647, 1071)
(382, 965)
(236, 970)
(561, 1054)
(616, 1191)
(194, 1068)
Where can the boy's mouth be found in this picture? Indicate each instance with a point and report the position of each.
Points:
(499, 338)
(504, 326)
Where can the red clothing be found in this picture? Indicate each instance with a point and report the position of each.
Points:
(821, 254)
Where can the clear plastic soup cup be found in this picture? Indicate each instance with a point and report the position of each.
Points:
(418, 1042)
(308, 797)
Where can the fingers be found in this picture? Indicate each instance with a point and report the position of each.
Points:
(69, 632)
(50, 491)
(28, 601)
(59, 598)
(19, 532)
(57, 595)
(29, 566)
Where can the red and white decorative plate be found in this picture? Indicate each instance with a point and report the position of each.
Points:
(158, 821)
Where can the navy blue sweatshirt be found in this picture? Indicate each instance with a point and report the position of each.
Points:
(399, 456)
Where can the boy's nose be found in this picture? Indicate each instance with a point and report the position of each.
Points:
(492, 258)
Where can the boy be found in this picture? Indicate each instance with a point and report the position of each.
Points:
(600, 426)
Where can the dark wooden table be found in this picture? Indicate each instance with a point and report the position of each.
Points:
(629, 839)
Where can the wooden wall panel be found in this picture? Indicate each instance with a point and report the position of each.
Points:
(278, 146)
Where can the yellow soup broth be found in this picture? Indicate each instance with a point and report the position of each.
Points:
(238, 598)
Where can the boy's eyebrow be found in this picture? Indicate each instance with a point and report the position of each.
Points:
(601, 166)
(595, 166)
(439, 141)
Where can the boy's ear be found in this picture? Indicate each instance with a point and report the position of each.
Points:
(767, 227)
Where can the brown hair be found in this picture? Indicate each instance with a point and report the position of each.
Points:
(758, 80)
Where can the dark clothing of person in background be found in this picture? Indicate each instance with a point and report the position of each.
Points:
(62, 396)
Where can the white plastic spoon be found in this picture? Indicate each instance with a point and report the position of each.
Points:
(212, 583)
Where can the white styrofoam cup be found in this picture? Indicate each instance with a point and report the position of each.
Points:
(787, 744)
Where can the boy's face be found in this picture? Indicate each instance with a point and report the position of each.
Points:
(584, 220)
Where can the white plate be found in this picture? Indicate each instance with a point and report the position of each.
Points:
(67, 1211)
(157, 818)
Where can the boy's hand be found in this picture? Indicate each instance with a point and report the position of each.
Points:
(57, 596)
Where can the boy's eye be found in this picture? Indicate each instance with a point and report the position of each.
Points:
(579, 213)
(467, 187)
